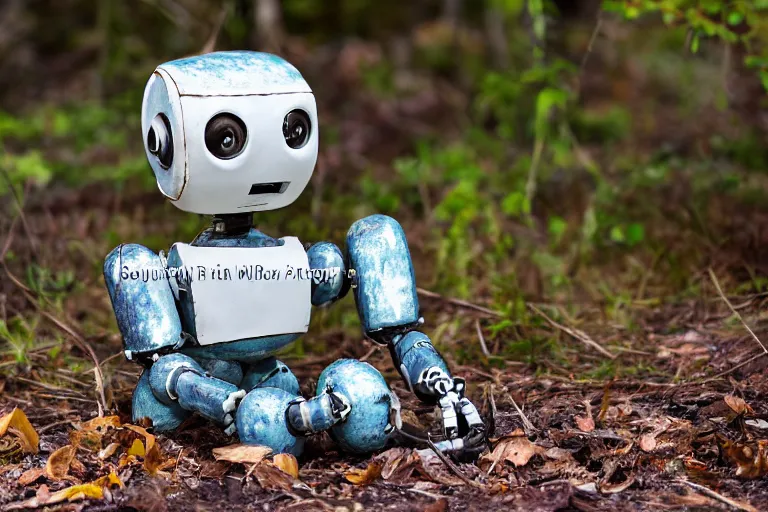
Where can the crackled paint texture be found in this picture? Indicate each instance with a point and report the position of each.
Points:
(325, 255)
(145, 405)
(261, 420)
(364, 430)
(145, 310)
(270, 373)
(386, 285)
(234, 73)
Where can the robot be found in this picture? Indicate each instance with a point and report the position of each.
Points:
(228, 134)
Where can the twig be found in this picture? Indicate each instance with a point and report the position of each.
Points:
(459, 302)
(733, 369)
(494, 411)
(526, 422)
(576, 333)
(79, 340)
(451, 465)
(733, 310)
(480, 337)
(746, 507)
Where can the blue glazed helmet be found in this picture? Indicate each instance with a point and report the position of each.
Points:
(366, 427)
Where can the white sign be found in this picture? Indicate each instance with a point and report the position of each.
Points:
(247, 292)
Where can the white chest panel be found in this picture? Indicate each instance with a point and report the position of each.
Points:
(244, 292)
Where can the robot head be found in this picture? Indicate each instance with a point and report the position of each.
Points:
(230, 132)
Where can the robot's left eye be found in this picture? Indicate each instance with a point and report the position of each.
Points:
(225, 136)
(296, 127)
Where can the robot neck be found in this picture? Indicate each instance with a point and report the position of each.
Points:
(226, 225)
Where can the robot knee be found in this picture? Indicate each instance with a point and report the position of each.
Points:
(270, 373)
(367, 426)
(384, 283)
(142, 300)
(261, 419)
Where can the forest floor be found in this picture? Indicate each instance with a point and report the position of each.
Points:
(642, 390)
(684, 438)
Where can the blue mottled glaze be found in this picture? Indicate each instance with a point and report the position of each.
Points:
(142, 299)
(206, 396)
(261, 420)
(229, 371)
(365, 429)
(145, 405)
(163, 368)
(325, 256)
(245, 351)
(234, 73)
(414, 353)
(270, 373)
(253, 238)
(386, 286)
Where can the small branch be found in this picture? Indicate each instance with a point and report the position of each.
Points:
(480, 337)
(733, 369)
(575, 333)
(746, 507)
(526, 422)
(452, 466)
(733, 310)
(459, 302)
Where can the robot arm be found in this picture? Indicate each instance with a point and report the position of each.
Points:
(329, 273)
(385, 292)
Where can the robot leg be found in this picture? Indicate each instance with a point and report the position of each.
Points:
(179, 379)
(165, 417)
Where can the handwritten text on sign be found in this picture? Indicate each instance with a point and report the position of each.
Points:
(189, 274)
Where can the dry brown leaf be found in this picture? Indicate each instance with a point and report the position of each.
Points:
(101, 423)
(751, 460)
(242, 453)
(58, 463)
(394, 463)
(515, 448)
(737, 404)
(153, 458)
(31, 476)
(647, 442)
(271, 477)
(287, 463)
(74, 493)
(108, 451)
(109, 480)
(585, 424)
(17, 424)
(366, 475)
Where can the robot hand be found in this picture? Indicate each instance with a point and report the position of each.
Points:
(463, 428)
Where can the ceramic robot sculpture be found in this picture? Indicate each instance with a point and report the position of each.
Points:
(228, 134)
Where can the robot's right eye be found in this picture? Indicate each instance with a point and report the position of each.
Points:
(160, 140)
(225, 136)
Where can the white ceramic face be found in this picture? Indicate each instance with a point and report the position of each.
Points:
(266, 173)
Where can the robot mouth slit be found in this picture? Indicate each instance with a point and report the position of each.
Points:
(277, 187)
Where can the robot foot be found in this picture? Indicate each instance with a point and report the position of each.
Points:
(365, 427)
(261, 419)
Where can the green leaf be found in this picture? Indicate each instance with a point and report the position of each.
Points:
(557, 227)
(735, 18)
(695, 44)
(617, 234)
(635, 233)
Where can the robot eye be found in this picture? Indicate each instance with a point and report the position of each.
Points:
(296, 128)
(225, 136)
(160, 140)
